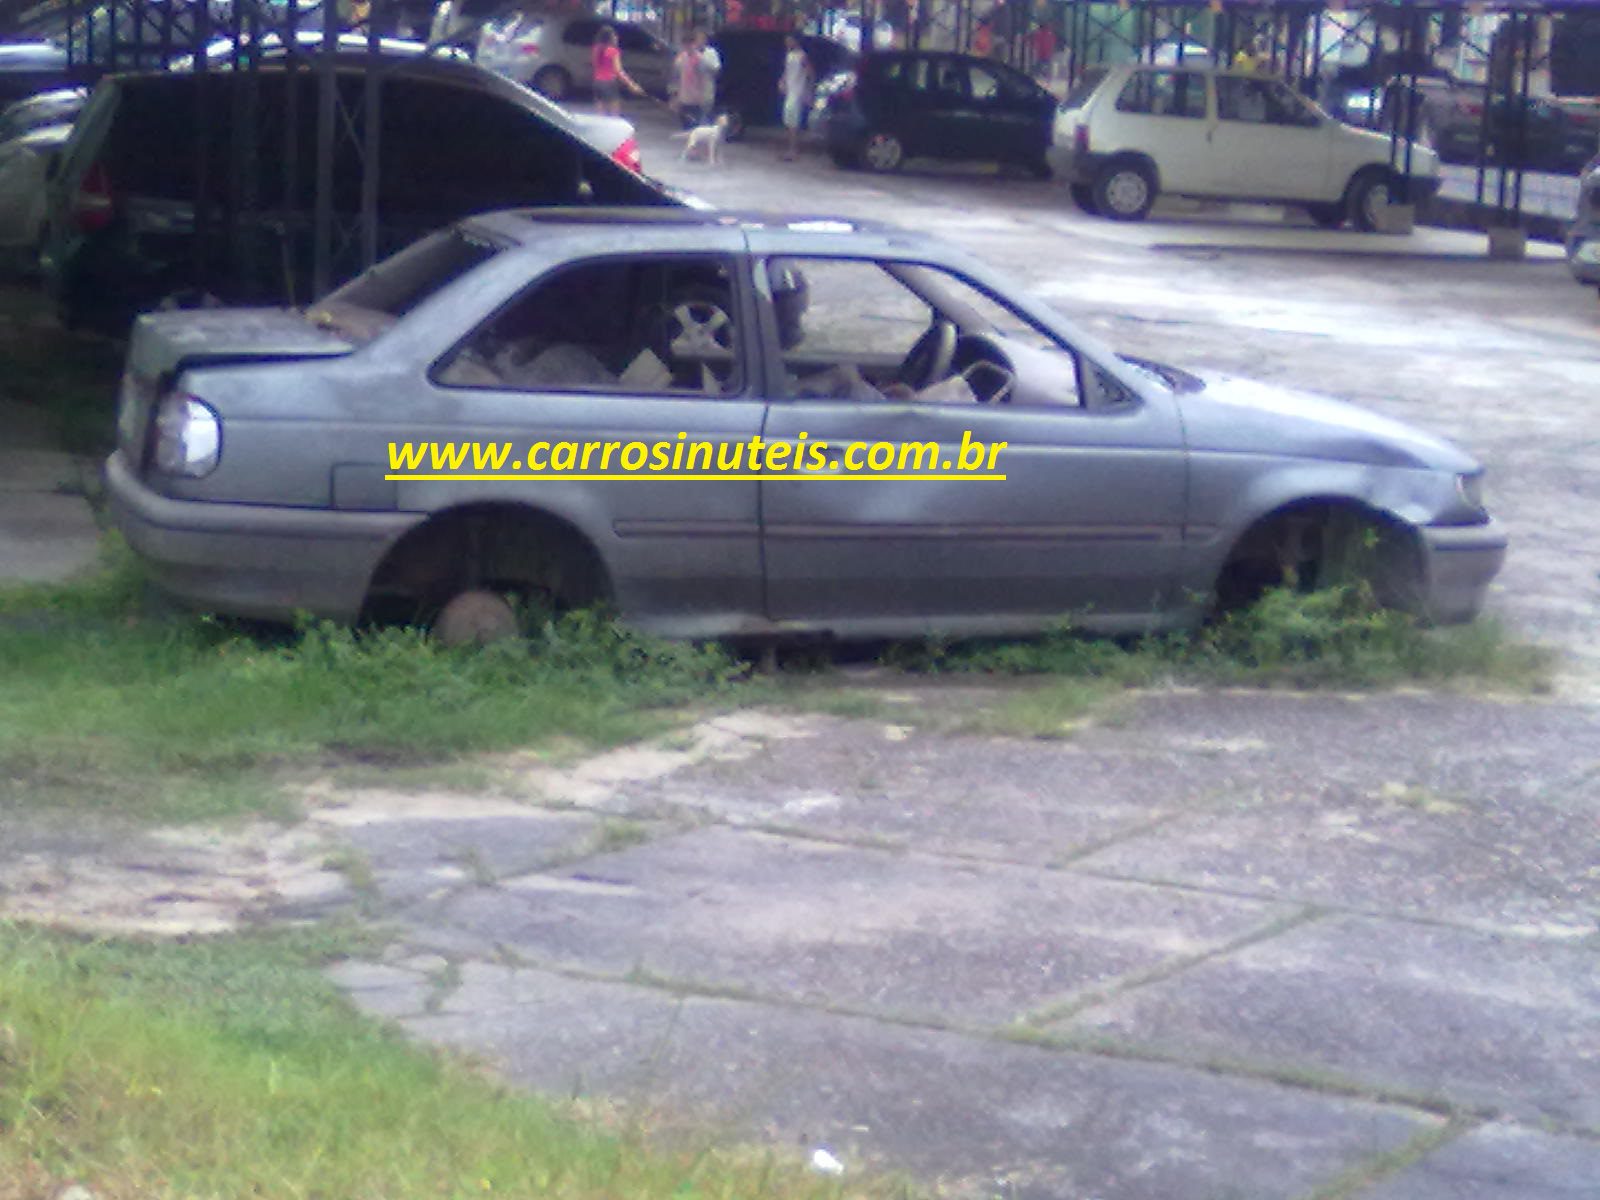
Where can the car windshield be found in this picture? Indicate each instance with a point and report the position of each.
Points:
(374, 300)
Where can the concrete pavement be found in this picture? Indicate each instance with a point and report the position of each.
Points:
(47, 529)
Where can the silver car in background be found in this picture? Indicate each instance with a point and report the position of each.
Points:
(1583, 239)
(551, 53)
(257, 469)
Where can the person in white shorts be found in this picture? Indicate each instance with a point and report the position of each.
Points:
(795, 86)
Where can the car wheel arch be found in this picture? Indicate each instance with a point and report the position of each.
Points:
(1237, 578)
(508, 546)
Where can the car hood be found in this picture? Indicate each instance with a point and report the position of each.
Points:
(1239, 416)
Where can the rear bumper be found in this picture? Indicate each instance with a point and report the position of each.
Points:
(1461, 562)
(1068, 164)
(252, 560)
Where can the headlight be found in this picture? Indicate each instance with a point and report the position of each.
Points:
(188, 437)
(1470, 489)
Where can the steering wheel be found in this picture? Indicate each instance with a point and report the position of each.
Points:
(930, 356)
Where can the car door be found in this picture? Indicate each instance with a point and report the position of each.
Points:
(1163, 114)
(1010, 116)
(1087, 517)
(1267, 144)
(647, 61)
(629, 348)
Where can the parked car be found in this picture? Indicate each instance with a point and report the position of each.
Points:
(268, 462)
(613, 135)
(551, 53)
(931, 104)
(1128, 134)
(1583, 240)
(752, 63)
(455, 140)
(25, 163)
(28, 68)
(1530, 132)
(57, 107)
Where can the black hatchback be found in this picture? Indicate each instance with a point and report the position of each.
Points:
(919, 104)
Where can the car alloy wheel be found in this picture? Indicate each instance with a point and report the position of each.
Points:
(1369, 201)
(884, 152)
(553, 83)
(1125, 191)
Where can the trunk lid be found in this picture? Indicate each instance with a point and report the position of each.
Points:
(165, 343)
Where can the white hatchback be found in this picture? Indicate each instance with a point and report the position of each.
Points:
(1126, 134)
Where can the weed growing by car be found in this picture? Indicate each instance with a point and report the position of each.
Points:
(230, 1068)
(1337, 636)
(116, 704)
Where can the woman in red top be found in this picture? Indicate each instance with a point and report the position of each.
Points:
(609, 77)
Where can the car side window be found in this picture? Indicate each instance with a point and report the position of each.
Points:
(634, 325)
(1260, 102)
(634, 41)
(581, 33)
(1164, 94)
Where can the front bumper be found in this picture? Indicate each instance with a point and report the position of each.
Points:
(252, 560)
(1583, 254)
(1417, 189)
(1461, 561)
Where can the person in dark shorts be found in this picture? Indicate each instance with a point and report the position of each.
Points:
(609, 78)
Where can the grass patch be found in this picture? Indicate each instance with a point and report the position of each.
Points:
(112, 704)
(230, 1068)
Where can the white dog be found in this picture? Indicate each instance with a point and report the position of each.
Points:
(704, 141)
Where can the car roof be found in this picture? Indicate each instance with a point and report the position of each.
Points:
(532, 224)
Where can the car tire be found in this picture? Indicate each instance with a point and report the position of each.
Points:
(1083, 197)
(553, 83)
(1329, 216)
(1124, 190)
(1366, 199)
(1038, 167)
(883, 152)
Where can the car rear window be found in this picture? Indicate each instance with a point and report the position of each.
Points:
(397, 285)
(1080, 92)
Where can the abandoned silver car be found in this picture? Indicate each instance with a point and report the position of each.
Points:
(737, 425)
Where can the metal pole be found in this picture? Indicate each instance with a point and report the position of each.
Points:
(371, 134)
(327, 85)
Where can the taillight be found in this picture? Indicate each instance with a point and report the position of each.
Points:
(628, 155)
(188, 437)
(1080, 139)
(92, 208)
(529, 49)
(1469, 108)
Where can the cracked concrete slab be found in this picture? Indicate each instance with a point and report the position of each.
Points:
(1497, 1023)
(1019, 801)
(1499, 1162)
(898, 934)
(978, 1118)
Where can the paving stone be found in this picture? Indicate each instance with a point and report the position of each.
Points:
(1032, 802)
(1500, 1162)
(982, 1118)
(45, 537)
(383, 990)
(868, 929)
(412, 858)
(1503, 1023)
